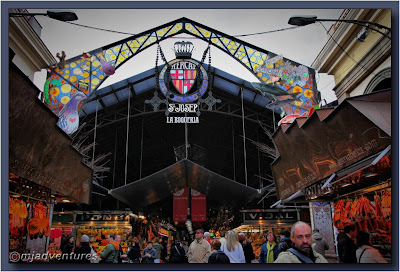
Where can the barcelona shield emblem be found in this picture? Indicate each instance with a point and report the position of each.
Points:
(183, 79)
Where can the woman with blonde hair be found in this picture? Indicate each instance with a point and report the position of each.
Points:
(233, 249)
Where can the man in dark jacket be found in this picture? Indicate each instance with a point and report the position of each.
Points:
(346, 246)
(285, 243)
(177, 253)
(247, 248)
(134, 251)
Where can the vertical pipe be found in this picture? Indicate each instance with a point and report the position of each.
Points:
(273, 118)
(233, 151)
(127, 137)
(141, 151)
(115, 157)
(244, 138)
(95, 134)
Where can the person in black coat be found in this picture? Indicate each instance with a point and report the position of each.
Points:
(83, 249)
(285, 243)
(177, 253)
(247, 248)
(133, 252)
(67, 246)
(346, 246)
(218, 256)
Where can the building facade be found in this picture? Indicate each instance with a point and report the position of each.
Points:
(360, 64)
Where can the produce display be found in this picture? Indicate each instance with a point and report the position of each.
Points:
(366, 216)
(18, 214)
(39, 224)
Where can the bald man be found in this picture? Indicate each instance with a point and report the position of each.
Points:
(302, 251)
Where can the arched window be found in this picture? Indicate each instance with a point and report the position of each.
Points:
(380, 82)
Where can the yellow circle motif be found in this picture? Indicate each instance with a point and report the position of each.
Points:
(207, 34)
(101, 77)
(73, 65)
(87, 80)
(66, 88)
(160, 33)
(259, 74)
(94, 73)
(67, 72)
(260, 61)
(141, 39)
(96, 63)
(253, 58)
(108, 51)
(121, 58)
(264, 79)
(179, 27)
(116, 49)
(257, 54)
(298, 103)
(64, 100)
(85, 74)
(95, 81)
(73, 79)
(66, 76)
(113, 57)
(77, 71)
(229, 46)
(250, 51)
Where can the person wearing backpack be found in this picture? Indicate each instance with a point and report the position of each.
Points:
(177, 253)
(217, 256)
(302, 252)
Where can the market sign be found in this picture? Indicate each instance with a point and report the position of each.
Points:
(271, 216)
(329, 141)
(101, 217)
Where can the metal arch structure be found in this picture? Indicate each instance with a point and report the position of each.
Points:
(86, 73)
(138, 108)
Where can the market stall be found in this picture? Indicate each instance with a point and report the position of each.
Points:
(30, 212)
(257, 223)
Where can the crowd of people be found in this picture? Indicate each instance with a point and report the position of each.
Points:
(301, 245)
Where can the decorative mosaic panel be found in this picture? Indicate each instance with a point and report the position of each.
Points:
(86, 73)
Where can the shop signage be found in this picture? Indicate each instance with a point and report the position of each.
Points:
(281, 216)
(183, 82)
(101, 217)
(320, 148)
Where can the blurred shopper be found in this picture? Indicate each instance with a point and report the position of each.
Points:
(223, 238)
(200, 249)
(218, 256)
(177, 253)
(67, 245)
(158, 248)
(133, 252)
(319, 244)
(111, 252)
(149, 254)
(83, 249)
(365, 252)
(269, 250)
(247, 248)
(302, 251)
(233, 249)
(346, 245)
(285, 243)
(207, 237)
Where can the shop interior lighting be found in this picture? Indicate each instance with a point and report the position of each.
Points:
(66, 200)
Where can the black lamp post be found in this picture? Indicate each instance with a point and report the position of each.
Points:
(306, 20)
(63, 16)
